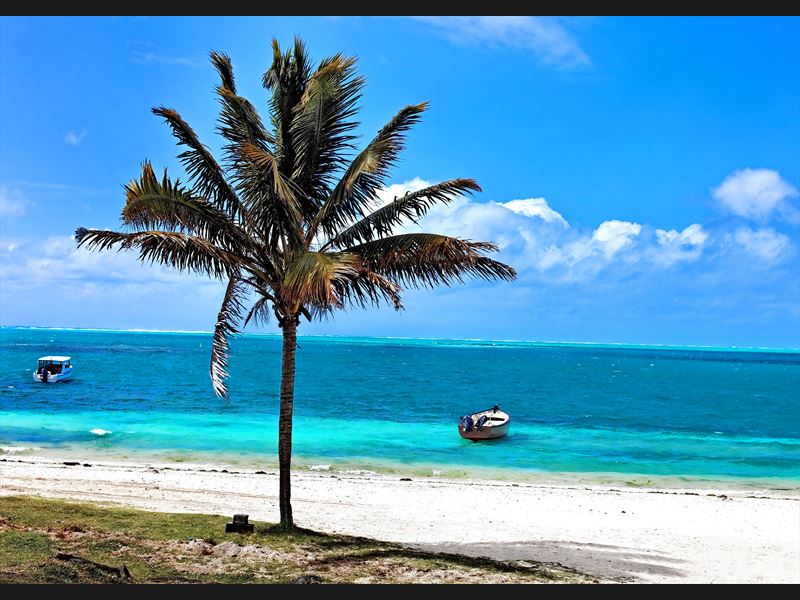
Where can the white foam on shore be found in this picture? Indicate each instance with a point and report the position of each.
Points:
(319, 468)
(17, 449)
(98, 431)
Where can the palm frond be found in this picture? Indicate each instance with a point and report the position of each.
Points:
(272, 198)
(259, 313)
(230, 313)
(413, 206)
(286, 81)
(282, 188)
(222, 63)
(427, 259)
(239, 120)
(152, 204)
(321, 125)
(311, 277)
(289, 69)
(204, 173)
(177, 250)
(366, 175)
(329, 280)
(374, 288)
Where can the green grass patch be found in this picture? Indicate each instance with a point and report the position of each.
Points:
(43, 513)
(23, 547)
(174, 547)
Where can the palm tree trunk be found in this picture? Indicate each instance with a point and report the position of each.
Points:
(285, 421)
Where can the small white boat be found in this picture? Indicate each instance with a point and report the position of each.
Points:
(53, 369)
(488, 424)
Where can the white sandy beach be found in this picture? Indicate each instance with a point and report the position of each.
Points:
(619, 534)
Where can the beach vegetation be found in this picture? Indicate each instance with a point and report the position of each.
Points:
(55, 541)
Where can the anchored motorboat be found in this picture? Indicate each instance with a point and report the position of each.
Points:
(53, 369)
(488, 424)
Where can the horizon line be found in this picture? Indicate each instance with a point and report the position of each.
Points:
(795, 349)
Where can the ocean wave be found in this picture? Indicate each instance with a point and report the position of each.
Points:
(98, 431)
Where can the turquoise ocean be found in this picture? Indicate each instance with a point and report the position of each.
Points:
(636, 414)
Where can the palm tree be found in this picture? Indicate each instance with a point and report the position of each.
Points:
(290, 218)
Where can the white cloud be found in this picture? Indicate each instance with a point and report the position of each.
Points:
(584, 255)
(693, 235)
(56, 187)
(675, 246)
(56, 260)
(613, 236)
(467, 218)
(107, 289)
(398, 190)
(530, 234)
(73, 138)
(13, 202)
(544, 248)
(765, 244)
(476, 221)
(755, 193)
(535, 207)
(537, 239)
(546, 37)
(150, 57)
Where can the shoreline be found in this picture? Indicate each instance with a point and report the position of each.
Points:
(178, 459)
(611, 532)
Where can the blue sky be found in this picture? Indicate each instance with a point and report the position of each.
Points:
(640, 173)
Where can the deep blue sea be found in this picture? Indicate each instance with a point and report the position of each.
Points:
(624, 412)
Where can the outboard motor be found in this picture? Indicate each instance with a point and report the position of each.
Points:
(468, 423)
(481, 422)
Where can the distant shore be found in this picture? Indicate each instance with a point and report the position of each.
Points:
(445, 341)
(611, 532)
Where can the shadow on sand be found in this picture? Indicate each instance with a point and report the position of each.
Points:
(599, 560)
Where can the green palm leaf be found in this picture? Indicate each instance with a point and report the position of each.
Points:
(239, 121)
(413, 206)
(152, 204)
(230, 313)
(286, 81)
(357, 190)
(177, 250)
(260, 312)
(272, 198)
(330, 280)
(427, 259)
(321, 125)
(206, 175)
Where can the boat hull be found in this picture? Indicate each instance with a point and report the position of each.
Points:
(489, 431)
(57, 378)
